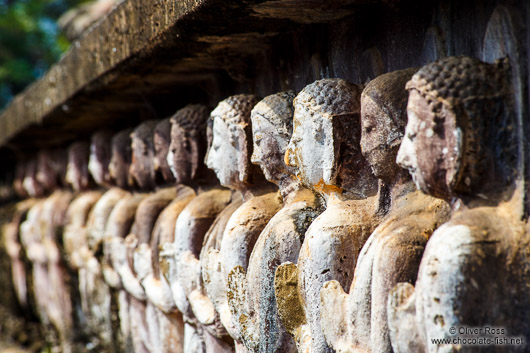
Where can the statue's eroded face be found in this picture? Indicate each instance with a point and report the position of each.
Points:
(45, 173)
(120, 160)
(311, 149)
(269, 148)
(99, 159)
(223, 155)
(77, 169)
(160, 160)
(119, 169)
(380, 139)
(30, 183)
(142, 167)
(181, 155)
(430, 149)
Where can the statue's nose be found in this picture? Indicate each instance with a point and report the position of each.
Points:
(403, 157)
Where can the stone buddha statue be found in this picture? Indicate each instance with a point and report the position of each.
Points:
(82, 240)
(86, 220)
(95, 293)
(11, 240)
(32, 243)
(24, 231)
(31, 240)
(168, 335)
(117, 334)
(100, 155)
(143, 171)
(51, 169)
(39, 234)
(75, 231)
(121, 217)
(119, 164)
(48, 176)
(325, 152)
(162, 143)
(229, 157)
(180, 250)
(252, 299)
(392, 253)
(120, 160)
(11, 236)
(77, 173)
(54, 216)
(30, 183)
(461, 145)
(80, 257)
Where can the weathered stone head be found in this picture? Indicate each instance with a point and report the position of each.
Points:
(143, 153)
(18, 182)
(460, 138)
(46, 175)
(383, 120)
(31, 185)
(77, 174)
(231, 148)
(162, 141)
(272, 127)
(51, 168)
(325, 146)
(100, 155)
(120, 161)
(188, 145)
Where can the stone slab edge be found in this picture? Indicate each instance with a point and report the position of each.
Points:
(133, 26)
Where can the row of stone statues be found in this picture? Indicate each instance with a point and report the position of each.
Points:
(344, 218)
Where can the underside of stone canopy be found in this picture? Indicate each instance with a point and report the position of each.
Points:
(148, 58)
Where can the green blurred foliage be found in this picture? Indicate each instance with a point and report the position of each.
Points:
(30, 41)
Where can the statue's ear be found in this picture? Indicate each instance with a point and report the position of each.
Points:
(244, 147)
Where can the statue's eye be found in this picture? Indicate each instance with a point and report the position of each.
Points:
(411, 135)
(368, 124)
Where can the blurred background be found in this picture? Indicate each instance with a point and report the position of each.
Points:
(35, 33)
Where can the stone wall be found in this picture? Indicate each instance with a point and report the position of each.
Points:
(375, 200)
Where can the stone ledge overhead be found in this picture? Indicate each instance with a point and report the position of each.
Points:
(147, 49)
